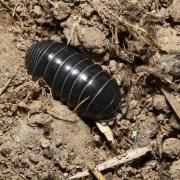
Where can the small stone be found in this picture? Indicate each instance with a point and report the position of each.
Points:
(25, 163)
(1, 140)
(159, 103)
(162, 118)
(164, 12)
(34, 158)
(58, 142)
(93, 39)
(14, 108)
(111, 123)
(174, 170)
(147, 130)
(171, 147)
(97, 138)
(175, 10)
(168, 40)
(113, 65)
(86, 9)
(166, 3)
(5, 151)
(60, 10)
(66, 175)
(45, 143)
(118, 117)
(104, 123)
(63, 165)
(37, 10)
(48, 153)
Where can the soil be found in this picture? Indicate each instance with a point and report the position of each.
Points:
(138, 42)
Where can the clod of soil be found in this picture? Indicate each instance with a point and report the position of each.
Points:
(147, 131)
(175, 170)
(159, 103)
(168, 39)
(171, 147)
(174, 10)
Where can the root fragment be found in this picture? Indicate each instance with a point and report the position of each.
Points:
(118, 160)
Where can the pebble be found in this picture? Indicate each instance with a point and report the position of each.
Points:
(34, 158)
(37, 10)
(174, 121)
(171, 147)
(5, 151)
(159, 103)
(48, 153)
(58, 142)
(110, 123)
(113, 65)
(45, 143)
(97, 138)
(63, 165)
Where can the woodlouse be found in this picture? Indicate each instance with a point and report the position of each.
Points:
(74, 79)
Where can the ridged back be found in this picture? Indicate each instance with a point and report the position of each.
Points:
(74, 78)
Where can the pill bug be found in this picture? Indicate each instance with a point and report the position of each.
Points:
(74, 79)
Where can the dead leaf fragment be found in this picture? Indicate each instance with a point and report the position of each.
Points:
(106, 131)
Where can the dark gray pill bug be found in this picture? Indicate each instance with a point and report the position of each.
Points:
(74, 79)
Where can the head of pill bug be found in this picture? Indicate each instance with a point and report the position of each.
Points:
(103, 91)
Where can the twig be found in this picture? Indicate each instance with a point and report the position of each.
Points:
(16, 6)
(18, 174)
(118, 160)
(97, 174)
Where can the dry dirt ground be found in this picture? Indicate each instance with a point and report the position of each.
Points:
(138, 42)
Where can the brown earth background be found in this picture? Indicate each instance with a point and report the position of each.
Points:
(138, 42)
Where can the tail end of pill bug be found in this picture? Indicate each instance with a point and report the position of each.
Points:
(33, 53)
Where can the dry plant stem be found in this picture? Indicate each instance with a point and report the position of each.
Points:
(13, 14)
(14, 10)
(97, 174)
(172, 101)
(118, 160)
(133, 29)
(18, 174)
